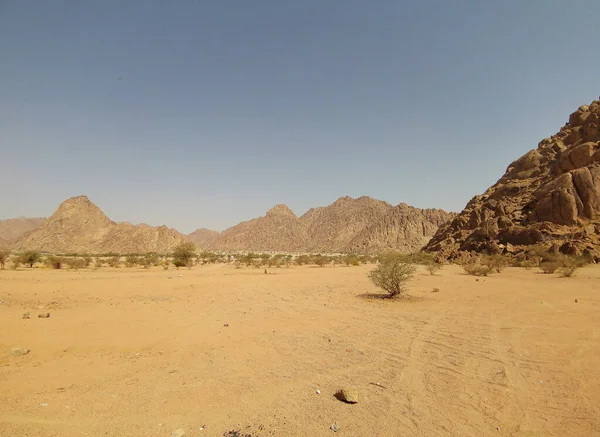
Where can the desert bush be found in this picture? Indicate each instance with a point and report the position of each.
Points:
(75, 263)
(549, 267)
(392, 275)
(4, 254)
(568, 271)
(30, 257)
(131, 260)
(476, 269)
(352, 260)
(148, 260)
(319, 260)
(496, 262)
(302, 260)
(165, 264)
(15, 263)
(87, 261)
(56, 262)
(114, 261)
(183, 255)
(433, 267)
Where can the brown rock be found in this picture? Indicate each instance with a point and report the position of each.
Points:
(348, 395)
(549, 196)
(44, 315)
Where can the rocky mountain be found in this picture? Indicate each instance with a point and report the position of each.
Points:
(550, 196)
(278, 230)
(11, 229)
(80, 226)
(203, 237)
(362, 225)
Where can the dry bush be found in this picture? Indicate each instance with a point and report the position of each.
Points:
(475, 269)
(549, 267)
(15, 262)
(392, 275)
(56, 262)
(75, 263)
(496, 262)
(183, 255)
(433, 267)
(302, 260)
(165, 264)
(320, 260)
(352, 260)
(4, 254)
(568, 271)
(114, 261)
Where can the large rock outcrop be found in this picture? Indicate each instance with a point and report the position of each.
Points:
(79, 226)
(549, 196)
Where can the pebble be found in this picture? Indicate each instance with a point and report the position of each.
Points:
(575, 300)
(44, 315)
(26, 316)
(334, 427)
(178, 433)
(318, 392)
(226, 324)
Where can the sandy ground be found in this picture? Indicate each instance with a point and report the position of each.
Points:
(143, 353)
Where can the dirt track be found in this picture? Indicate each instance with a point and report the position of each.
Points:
(142, 353)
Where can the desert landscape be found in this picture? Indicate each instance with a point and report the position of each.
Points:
(217, 349)
(332, 322)
(300, 219)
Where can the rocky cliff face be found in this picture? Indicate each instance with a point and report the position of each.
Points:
(362, 225)
(549, 196)
(80, 226)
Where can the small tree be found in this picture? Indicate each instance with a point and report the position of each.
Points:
(183, 255)
(30, 257)
(131, 260)
(392, 275)
(4, 254)
(320, 260)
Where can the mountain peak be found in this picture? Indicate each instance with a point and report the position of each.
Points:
(280, 209)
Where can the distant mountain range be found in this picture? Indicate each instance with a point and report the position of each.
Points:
(362, 225)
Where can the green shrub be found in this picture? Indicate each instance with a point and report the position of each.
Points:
(183, 254)
(392, 275)
(320, 260)
(30, 257)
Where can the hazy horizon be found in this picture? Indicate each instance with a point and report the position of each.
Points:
(205, 115)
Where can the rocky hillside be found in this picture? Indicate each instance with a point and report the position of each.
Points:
(80, 226)
(12, 229)
(362, 225)
(550, 196)
(203, 237)
(278, 230)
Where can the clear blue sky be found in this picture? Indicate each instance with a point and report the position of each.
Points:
(206, 113)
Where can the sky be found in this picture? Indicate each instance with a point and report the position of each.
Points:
(206, 113)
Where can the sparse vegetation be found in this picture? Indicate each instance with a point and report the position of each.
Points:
(352, 260)
(549, 267)
(476, 269)
(4, 254)
(433, 267)
(114, 261)
(75, 263)
(184, 254)
(320, 260)
(30, 257)
(56, 262)
(496, 263)
(392, 275)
